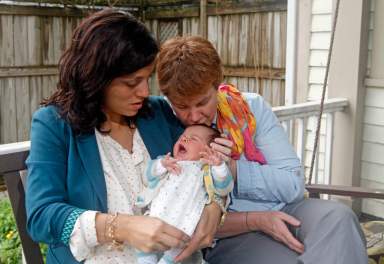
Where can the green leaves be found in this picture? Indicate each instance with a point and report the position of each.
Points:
(10, 245)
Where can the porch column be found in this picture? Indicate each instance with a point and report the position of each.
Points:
(346, 79)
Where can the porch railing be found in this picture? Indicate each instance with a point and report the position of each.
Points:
(294, 119)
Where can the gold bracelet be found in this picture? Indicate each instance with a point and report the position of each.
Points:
(220, 202)
(105, 228)
(110, 232)
(222, 219)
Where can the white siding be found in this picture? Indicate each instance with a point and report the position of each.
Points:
(319, 44)
(372, 164)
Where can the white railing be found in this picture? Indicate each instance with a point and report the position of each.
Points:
(294, 119)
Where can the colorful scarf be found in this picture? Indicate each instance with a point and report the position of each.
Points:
(235, 120)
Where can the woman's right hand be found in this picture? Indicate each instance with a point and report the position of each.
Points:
(274, 223)
(148, 234)
(223, 146)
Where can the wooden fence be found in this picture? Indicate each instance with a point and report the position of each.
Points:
(249, 37)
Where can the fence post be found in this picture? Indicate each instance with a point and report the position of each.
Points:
(203, 18)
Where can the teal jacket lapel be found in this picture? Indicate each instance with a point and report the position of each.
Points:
(155, 137)
(90, 158)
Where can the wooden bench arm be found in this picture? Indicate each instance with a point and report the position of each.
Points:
(359, 192)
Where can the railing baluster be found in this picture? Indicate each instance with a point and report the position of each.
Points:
(284, 124)
(290, 132)
(328, 148)
(300, 139)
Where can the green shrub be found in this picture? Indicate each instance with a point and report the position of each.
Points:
(10, 245)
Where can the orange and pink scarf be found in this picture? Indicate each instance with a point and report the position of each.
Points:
(235, 120)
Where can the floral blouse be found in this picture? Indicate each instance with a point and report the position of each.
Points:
(122, 171)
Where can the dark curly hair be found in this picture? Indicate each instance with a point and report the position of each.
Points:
(106, 45)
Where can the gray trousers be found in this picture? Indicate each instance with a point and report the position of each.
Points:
(329, 230)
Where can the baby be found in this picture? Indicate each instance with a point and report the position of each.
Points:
(178, 188)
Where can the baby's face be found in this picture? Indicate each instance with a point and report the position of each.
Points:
(191, 143)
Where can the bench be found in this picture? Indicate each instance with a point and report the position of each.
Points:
(12, 167)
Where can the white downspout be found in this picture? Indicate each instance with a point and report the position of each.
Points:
(291, 52)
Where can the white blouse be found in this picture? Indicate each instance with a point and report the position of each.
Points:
(122, 172)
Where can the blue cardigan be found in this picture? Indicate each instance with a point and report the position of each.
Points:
(65, 171)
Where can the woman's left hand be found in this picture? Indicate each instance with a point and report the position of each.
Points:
(204, 233)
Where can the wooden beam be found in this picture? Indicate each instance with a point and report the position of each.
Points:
(153, 3)
(42, 11)
(125, 3)
(158, 13)
(352, 191)
(6, 72)
(243, 8)
(214, 10)
(261, 73)
(56, 11)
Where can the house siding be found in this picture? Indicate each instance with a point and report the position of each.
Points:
(372, 160)
(320, 34)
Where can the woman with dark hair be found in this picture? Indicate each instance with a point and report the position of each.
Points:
(89, 145)
(268, 219)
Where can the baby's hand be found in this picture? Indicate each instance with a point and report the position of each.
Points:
(170, 164)
(211, 157)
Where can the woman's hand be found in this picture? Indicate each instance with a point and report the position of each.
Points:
(210, 157)
(145, 233)
(275, 225)
(204, 233)
(223, 146)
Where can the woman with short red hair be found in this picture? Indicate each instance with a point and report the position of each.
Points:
(268, 219)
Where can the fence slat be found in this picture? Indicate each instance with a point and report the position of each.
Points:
(8, 111)
(58, 39)
(6, 44)
(233, 41)
(243, 39)
(34, 43)
(35, 92)
(22, 108)
(20, 39)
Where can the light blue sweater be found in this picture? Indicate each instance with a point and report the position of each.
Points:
(281, 180)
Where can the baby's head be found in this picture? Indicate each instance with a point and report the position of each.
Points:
(192, 142)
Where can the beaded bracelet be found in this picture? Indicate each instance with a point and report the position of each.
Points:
(110, 227)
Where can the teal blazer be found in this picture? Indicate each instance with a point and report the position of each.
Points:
(65, 171)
